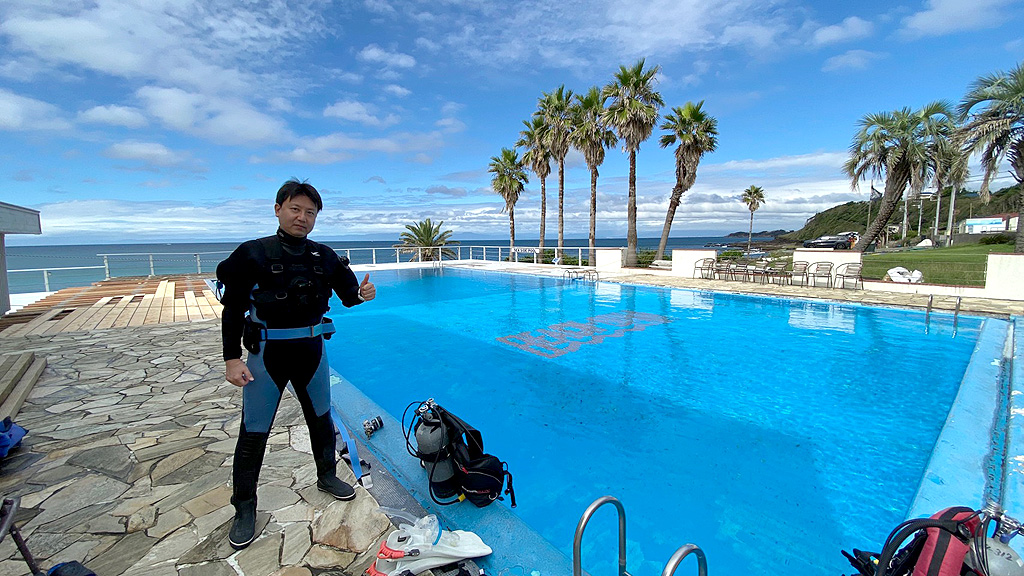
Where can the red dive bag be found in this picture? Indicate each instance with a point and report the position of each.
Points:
(943, 553)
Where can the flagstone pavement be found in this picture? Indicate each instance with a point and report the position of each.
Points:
(127, 462)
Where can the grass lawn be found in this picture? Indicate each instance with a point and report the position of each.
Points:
(957, 265)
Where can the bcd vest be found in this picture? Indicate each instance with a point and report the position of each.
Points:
(291, 290)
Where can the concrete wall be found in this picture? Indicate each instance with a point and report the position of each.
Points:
(13, 220)
(609, 259)
(683, 261)
(1005, 276)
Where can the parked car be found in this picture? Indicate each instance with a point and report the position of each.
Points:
(840, 242)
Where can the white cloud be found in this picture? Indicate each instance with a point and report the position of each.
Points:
(819, 159)
(148, 152)
(397, 90)
(379, 7)
(377, 55)
(851, 28)
(355, 111)
(450, 125)
(950, 16)
(851, 60)
(22, 113)
(113, 115)
(225, 120)
(340, 147)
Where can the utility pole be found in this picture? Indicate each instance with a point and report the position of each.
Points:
(938, 207)
(949, 222)
(920, 213)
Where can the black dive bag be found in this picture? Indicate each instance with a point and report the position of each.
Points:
(453, 454)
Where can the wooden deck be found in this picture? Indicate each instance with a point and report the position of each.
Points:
(115, 304)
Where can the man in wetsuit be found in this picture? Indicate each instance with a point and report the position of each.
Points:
(275, 295)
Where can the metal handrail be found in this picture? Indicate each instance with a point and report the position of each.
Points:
(475, 252)
(683, 552)
(577, 541)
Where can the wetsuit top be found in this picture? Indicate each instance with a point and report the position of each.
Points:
(250, 264)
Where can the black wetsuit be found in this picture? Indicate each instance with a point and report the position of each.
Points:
(282, 282)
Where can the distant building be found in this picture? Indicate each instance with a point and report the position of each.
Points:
(990, 224)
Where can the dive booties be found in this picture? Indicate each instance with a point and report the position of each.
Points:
(424, 545)
(245, 474)
(322, 441)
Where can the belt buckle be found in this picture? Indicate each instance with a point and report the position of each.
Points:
(312, 331)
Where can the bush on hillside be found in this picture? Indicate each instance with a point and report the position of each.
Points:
(997, 239)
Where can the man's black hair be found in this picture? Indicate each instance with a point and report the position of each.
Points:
(293, 188)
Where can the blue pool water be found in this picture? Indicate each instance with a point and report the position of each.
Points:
(770, 432)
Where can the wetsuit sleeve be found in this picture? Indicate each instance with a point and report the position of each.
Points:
(238, 274)
(343, 279)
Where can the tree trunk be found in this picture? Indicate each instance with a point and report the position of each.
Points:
(593, 217)
(543, 213)
(750, 233)
(952, 212)
(511, 229)
(631, 241)
(895, 182)
(938, 210)
(903, 229)
(673, 204)
(561, 196)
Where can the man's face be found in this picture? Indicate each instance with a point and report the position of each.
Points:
(296, 215)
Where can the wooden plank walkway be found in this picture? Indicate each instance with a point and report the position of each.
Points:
(115, 304)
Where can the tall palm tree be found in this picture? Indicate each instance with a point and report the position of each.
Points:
(538, 158)
(697, 134)
(753, 197)
(426, 234)
(900, 146)
(508, 181)
(553, 109)
(997, 129)
(633, 112)
(591, 136)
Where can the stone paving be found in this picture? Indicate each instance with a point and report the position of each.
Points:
(127, 463)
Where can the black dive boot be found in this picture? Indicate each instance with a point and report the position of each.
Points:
(245, 473)
(321, 439)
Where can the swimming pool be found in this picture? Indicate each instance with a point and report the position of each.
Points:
(770, 432)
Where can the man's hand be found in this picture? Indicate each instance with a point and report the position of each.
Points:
(237, 372)
(367, 290)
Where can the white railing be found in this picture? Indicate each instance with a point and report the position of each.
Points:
(117, 265)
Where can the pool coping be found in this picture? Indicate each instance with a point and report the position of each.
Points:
(513, 542)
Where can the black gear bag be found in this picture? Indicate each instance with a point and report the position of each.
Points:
(455, 460)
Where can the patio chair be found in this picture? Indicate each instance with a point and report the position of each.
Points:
(757, 272)
(776, 271)
(849, 271)
(723, 270)
(704, 268)
(820, 271)
(799, 271)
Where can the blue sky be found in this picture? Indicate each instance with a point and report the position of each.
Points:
(173, 120)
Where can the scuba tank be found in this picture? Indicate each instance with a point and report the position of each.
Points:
(997, 558)
(431, 436)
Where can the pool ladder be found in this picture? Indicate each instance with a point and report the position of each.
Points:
(956, 313)
(670, 568)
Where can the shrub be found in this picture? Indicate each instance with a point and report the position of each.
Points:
(997, 239)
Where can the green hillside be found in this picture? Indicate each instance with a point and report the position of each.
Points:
(853, 216)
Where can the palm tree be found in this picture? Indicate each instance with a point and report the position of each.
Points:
(753, 197)
(537, 156)
(697, 134)
(509, 179)
(426, 234)
(633, 113)
(553, 109)
(902, 145)
(591, 136)
(997, 130)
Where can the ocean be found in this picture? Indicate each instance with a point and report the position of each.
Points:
(83, 264)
